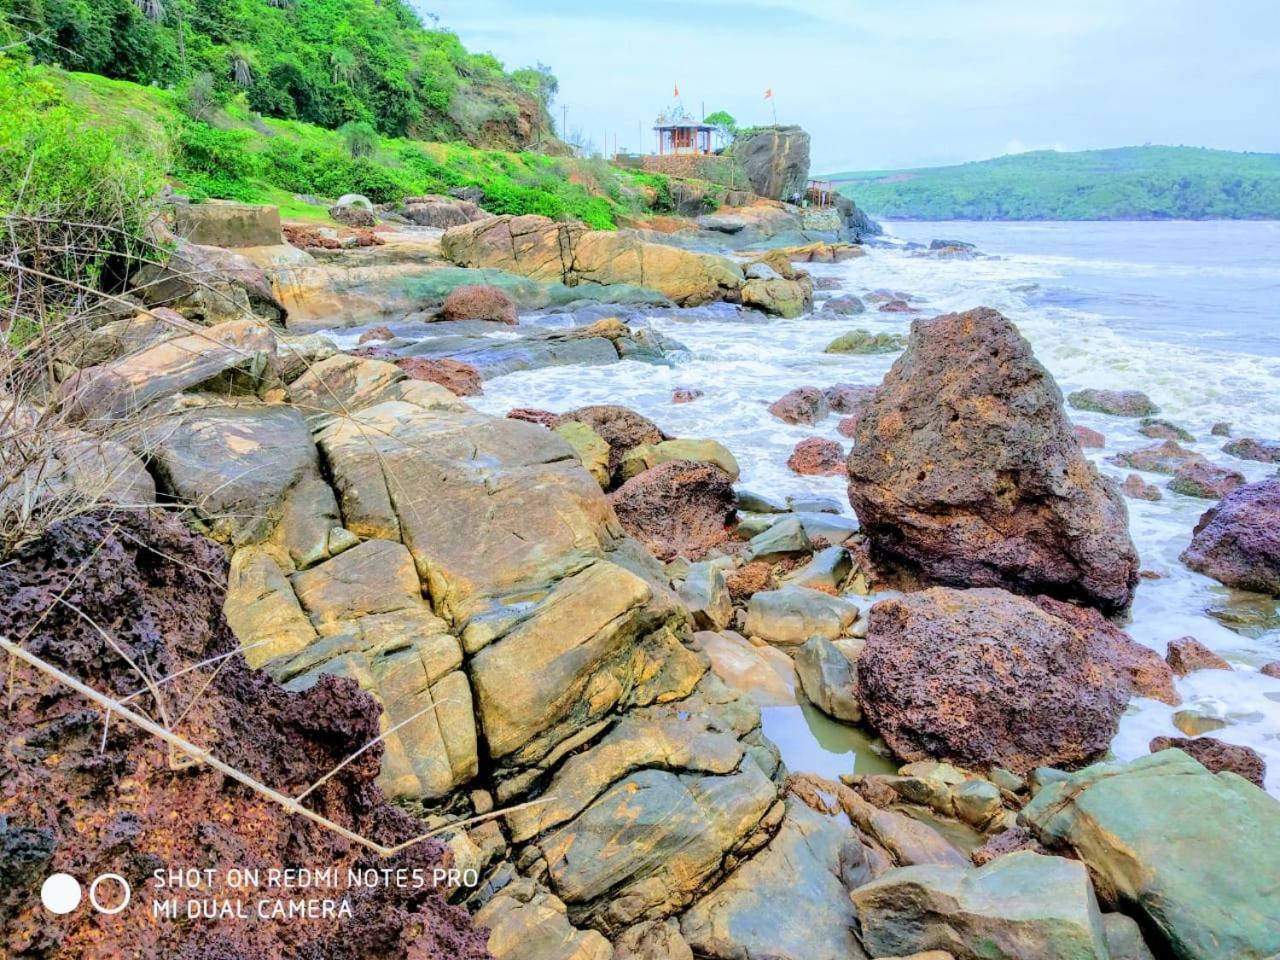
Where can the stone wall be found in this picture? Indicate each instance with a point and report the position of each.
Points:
(697, 167)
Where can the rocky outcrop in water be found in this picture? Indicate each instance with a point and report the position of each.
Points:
(776, 161)
(1238, 541)
(967, 470)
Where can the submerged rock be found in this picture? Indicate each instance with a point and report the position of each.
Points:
(1164, 430)
(1187, 654)
(1118, 403)
(1237, 542)
(845, 306)
(1247, 448)
(1022, 905)
(1194, 853)
(1208, 481)
(1137, 488)
(1089, 438)
(1165, 457)
(805, 405)
(864, 341)
(984, 678)
(966, 469)
(817, 457)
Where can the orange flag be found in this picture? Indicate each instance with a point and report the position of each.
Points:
(677, 92)
(768, 94)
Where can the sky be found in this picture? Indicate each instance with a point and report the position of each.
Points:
(885, 84)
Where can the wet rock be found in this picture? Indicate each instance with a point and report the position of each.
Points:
(897, 306)
(817, 457)
(1271, 669)
(544, 418)
(1205, 480)
(621, 428)
(966, 469)
(788, 902)
(526, 922)
(1164, 430)
(705, 594)
(1117, 403)
(686, 394)
(1187, 654)
(805, 405)
(1247, 448)
(1137, 488)
(1220, 429)
(480, 302)
(791, 615)
(848, 398)
(1216, 756)
(1166, 457)
(756, 670)
(844, 306)
(1192, 852)
(679, 508)
(460, 379)
(848, 426)
(376, 334)
(1008, 841)
(1023, 687)
(648, 455)
(828, 677)
(1089, 439)
(1237, 542)
(1193, 723)
(590, 447)
(784, 298)
(865, 342)
(1019, 905)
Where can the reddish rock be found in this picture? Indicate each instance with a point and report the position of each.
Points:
(462, 379)
(1187, 654)
(848, 426)
(1208, 481)
(480, 302)
(985, 678)
(749, 579)
(1247, 448)
(805, 405)
(1008, 841)
(1148, 675)
(679, 508)
(620, 427)
(1090, 439)
(1164, 430)
(1237, 542)
(848, 398)
(375, 334)
(1215, 755)
(897, 306)
(967, 471)
(685, 394)
(1271, 669)
(1134, 486)
(816, 457)
(543, 418)
(1164, 457)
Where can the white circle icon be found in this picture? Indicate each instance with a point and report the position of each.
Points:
(125, 894)
(61, 893)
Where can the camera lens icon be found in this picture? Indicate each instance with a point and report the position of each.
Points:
(109, 893)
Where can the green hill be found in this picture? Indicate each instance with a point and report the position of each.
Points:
(1126, 183)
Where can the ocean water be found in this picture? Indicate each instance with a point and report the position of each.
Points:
(1187, 312)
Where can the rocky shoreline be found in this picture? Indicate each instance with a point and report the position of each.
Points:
(577, 608)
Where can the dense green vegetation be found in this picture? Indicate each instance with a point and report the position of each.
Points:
(1128, 183)
(111, 136)
(326, 62)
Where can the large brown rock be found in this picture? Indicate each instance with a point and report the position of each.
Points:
(480, 302)
(984, 678)
(569, 253)
(460, 379)
(967, 469)
(1238, 541)
(678, 509)
(620, 427)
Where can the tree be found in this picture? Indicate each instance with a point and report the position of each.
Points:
(539, 81)
(726, 126)
(360, 138)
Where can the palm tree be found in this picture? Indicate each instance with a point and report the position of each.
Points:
(342, 65)
(241, 70)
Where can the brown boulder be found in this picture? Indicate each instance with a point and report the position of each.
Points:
(967, 470)
(461, 379)
(1208, 481)
(817, 457)
(984, 678)
(1137, 488)
(620, 427)
(1165, 457)
(801, 405)
(1089, 439)
(376, 334)
(848, 426)
(480, 302)
(1215, 755)
(1271, 669)
(1117, 403)
(848, 398)
(1187, 654)
(897, 306)
(679, 508)
(1237, 542)
(1247, 448)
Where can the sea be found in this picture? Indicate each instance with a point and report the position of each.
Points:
(1188, 312)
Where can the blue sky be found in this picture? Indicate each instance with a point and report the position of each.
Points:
(884, 84)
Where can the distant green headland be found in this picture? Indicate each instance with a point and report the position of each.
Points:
(1126, 183)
